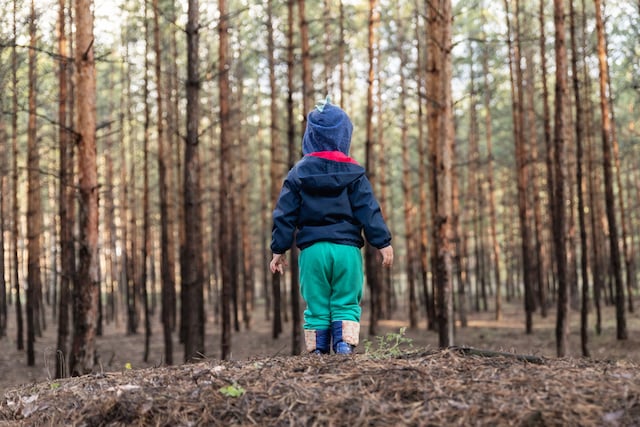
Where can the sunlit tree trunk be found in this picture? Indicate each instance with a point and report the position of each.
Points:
(86, 284)
(621, 323)
(34, 218)
(191, 256)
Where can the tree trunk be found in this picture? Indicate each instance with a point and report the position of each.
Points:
(167, 263)
(621, 323)
(296, 318)
(407, 189)
(559, 216)
(490, 180)
(191, 257)
(522, 170)
(16, 211)
(226, 180)
(422, 181)
(4, 141)
(580, 179)
(86, 285)
(34, 227)
(276, 155)
(441, 134)
(146, 224)
(66, 199)
(549, 153)
(370, 256)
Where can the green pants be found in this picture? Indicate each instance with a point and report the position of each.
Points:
(331, 279)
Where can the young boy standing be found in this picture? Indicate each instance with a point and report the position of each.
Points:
(329, 201)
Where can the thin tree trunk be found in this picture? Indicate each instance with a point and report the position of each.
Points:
(296, 318)
(495, 244)
(559, 216)
(370, 264)
(167, 263)
(522, 172)
(407, 190)
(146, 224)
(66, 195)
(4, 142)
(541, 264)
(422, 182)
(579, 123)
(34, 226)
(549, 151)
(16, 218)
(226, 180)
(191, 257)
(621, 323)
(86, 284)
(276, 156)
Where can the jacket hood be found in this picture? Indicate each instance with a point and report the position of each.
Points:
(320, 175)
(328, 129)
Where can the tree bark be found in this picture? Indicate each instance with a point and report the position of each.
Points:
(86, 284)
(373, 278)
(226, 180)
(16, 209)
(191, 257)
(441, 134)
(66, 199)
(559, 216)
(277, 160)
(296, 318)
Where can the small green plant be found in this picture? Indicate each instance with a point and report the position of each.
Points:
(232, 390)
(388, 345)
(55, 386)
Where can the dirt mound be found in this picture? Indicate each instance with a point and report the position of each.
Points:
(416, 387)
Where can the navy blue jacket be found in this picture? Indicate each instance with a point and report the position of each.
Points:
(327, 197)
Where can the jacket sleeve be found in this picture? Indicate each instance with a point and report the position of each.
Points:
(367, 211)
(285, 216)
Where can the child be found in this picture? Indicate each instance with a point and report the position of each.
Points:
(329, 201)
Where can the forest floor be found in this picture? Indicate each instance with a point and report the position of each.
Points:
(403, 377)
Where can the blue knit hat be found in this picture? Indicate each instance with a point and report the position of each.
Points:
(328, 129)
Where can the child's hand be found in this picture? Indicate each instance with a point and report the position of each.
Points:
(278, 263)
(387, 256)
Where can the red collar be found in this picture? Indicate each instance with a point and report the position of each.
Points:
(336, 156)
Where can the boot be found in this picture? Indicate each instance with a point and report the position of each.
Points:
(318, 341)
(345, 334)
